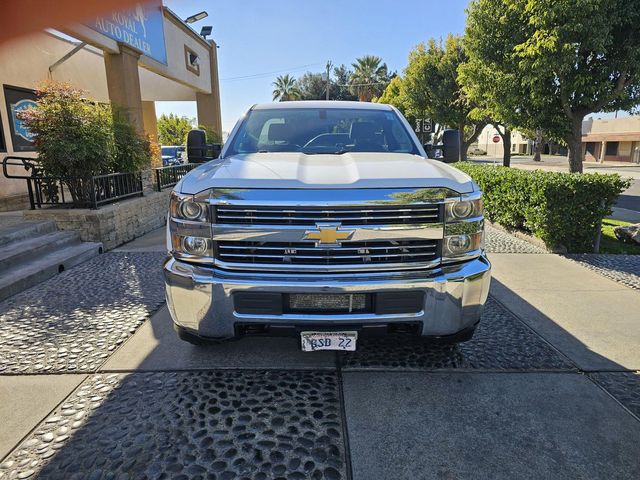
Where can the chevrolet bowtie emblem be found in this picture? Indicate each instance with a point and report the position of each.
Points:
(328, 234)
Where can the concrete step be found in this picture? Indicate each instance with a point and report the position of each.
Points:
(25, 229)
(25, 275)
(26, 250)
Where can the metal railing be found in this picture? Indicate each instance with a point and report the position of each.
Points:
(115, 186)
(168, 176)
(71, 192)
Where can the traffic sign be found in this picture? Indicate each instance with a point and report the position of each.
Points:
(496, 139)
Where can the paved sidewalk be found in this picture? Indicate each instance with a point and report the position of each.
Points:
(548, 388)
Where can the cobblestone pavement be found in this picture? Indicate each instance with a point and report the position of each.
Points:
(216, 425)
(73, 321)
(498, 241)
(501, 342)
(624, 269)
(221, 424)
(624, 386)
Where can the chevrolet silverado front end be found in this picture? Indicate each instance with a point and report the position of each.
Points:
(325, 220)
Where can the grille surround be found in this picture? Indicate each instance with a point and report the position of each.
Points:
(276, 237)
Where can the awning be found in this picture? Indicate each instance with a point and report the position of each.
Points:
(612, 137)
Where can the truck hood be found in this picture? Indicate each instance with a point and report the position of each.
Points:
(289, 170)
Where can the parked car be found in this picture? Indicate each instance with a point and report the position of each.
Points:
(172, 155)
(327, 221)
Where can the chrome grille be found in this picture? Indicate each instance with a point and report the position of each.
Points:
(347, 216)
(406, 252)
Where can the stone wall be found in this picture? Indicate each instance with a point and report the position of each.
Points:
(14, 202)
(113, 224)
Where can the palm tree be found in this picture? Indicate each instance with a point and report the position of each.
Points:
(369, 77)
(285, 88)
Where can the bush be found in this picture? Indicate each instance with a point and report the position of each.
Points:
(562, 209)
(77, 138)
(132, 151)
(73, 137)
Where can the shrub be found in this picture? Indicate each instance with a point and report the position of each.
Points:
(562, 209)
(77, 138)
(72, 136)
(132, 151)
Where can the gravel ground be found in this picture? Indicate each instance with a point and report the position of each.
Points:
(621, 268)
(498, 241)
(501, 342)
(73, 321)
(216, 425)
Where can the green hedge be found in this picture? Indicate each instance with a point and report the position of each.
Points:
(563, 209)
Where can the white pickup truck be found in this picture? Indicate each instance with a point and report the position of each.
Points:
(327, 221)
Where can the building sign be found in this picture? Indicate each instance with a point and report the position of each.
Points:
(19, 99)
(423, 125)
(141, 28)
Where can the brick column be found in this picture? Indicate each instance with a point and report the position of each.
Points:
(123, 84)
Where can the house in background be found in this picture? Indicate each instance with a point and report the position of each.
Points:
(611, 139)
(520, 144)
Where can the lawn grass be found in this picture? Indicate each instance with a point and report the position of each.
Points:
(610, 244)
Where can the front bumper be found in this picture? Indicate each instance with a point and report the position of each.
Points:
(201, 302)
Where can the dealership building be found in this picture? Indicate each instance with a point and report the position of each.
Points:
(131, 59)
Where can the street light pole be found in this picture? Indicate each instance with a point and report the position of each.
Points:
(328, 77)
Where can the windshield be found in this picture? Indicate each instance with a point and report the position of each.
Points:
(317, 131)
(169, 151)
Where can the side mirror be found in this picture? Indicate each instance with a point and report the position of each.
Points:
(451, 145)
(198, 151)
(196, 146)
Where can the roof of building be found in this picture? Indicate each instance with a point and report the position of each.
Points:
(321, 104)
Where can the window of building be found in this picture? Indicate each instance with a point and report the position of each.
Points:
(3, 145)
(612, 148)
(591, 148)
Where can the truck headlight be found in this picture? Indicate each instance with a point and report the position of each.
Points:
(186, 207)
(195, 246)
(463, 229)
(463, 210)
(190, 246)
(461, 245)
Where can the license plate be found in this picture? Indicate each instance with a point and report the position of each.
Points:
(314, 341)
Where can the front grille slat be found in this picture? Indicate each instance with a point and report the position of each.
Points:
(324, 219)
(388, 215)
(351, 253)
(343, 247)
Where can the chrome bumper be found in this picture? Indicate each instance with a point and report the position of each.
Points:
(200, 298)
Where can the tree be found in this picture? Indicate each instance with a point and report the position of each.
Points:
(340, 89)
(552, 62)
(285, 88)
(312, 86)
(432, 89)
(369, 77)
(172, 129)
(395, 95)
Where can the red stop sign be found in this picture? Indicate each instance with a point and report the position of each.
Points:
(496, 138)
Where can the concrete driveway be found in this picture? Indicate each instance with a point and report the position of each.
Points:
(548, 387)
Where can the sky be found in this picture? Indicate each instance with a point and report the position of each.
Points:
(261, 40)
